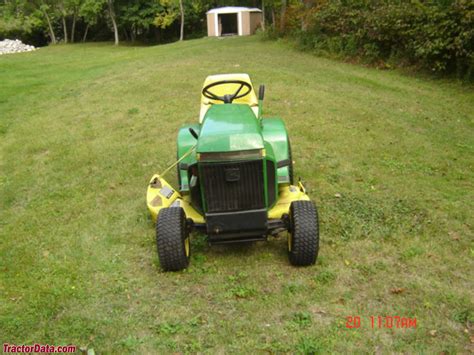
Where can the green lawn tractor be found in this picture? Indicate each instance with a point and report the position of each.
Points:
(235, 176)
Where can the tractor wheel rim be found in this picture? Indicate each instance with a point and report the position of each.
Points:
(289, 241)
(186, 246)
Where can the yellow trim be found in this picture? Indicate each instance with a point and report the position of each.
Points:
(301, 187)
(155, 200)
(190, 211)
(289, 241)
(186, 246)
(287, 194)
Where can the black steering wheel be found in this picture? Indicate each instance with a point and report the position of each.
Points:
(227, 99)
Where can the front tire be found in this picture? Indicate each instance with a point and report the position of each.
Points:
(172, 239)
(303, 238)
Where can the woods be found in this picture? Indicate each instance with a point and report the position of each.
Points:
(150, 21)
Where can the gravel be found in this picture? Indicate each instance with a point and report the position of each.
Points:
(14, 46)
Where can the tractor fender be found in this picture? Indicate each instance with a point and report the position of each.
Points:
(274, 132)
(184, 142)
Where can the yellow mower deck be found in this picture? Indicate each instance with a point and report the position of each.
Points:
(161, 194)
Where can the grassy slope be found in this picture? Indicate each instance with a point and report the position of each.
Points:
(82, 129)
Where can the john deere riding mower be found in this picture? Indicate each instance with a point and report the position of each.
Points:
(235, 176)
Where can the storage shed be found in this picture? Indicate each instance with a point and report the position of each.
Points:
(233, 20)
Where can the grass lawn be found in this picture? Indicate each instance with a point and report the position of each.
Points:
(388, 159)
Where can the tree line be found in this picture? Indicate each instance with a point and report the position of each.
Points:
(433, 35)
(53, 21)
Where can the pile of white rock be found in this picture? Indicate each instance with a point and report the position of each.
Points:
(14, 46)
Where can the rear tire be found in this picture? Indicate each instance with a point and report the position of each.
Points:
(172, 239)
(303, 238)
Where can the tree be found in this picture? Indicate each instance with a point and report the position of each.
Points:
(181, 30)
(171, 10)
(110, 4)
(20, 18)
(306, 13)
(63, 9)
(74, 6)
(67, 9)
(137, 16)
(89, 12)
(45, 9)
(282, 15)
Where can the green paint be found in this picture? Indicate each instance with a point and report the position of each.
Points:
(230, 127)
(274, 132)
(234, 128)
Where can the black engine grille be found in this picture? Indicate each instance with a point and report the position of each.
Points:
(233, 186)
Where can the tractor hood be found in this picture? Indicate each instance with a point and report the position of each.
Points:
(229, 127)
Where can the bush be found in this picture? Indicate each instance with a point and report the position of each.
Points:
(433, 35)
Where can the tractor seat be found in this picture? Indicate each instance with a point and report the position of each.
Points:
(250, 99)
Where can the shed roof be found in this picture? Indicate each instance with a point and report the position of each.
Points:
(232, 10)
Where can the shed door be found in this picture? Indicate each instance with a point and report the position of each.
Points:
(228, 24)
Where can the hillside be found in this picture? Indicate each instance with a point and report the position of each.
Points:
(388, 159)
